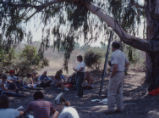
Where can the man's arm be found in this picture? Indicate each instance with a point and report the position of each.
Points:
(114, 69)
(56, 114)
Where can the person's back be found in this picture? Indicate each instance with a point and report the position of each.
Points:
(5, 111)
(40, 108)
(119, 57)
(9, 113)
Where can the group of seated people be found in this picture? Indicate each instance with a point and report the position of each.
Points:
(11, 84)
(40, 108)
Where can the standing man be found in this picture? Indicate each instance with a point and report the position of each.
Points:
(119, 64)
(80, 69)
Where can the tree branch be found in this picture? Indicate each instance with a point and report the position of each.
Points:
(137, 5)
(38, 7)
(125, 37)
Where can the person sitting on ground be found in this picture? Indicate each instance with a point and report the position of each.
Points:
(66, 111)
(59, 80)
(5, 111)
(28, 81)
(40, 107)
(4, 90)
(12, 81)
(35, 77)
(89, 79)
(59, 75)
(44, 80)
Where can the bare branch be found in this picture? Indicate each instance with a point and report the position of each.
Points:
(38, 7)
(125, 37)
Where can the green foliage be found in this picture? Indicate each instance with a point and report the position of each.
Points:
(7, 57)
(13, 16)
(92, 60)
(30, 55)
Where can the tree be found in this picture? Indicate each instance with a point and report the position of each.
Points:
(123, 15)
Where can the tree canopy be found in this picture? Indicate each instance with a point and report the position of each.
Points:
(73, 14)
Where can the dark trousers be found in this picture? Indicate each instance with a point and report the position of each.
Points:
(45, 84)
(11, 94)
(79, 81)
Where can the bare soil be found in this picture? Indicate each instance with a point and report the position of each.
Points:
(137, 103)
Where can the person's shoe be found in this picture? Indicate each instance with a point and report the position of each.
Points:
(118, 110)
(110, 112)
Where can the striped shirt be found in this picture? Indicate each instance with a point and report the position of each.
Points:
(40, 108)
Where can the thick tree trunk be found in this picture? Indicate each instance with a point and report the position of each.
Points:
(152, 59)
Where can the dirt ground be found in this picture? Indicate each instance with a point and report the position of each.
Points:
(137, 103)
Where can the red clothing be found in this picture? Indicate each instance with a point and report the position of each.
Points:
(40, 108)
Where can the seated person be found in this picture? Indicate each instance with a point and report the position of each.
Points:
(40, 107)
(4, 90)
(89, 79)
(59, 80)
(5, 111)
(72, 79)
(64, 107)
(35, 77)
(13, 81)
(44, 80)
(28, 81)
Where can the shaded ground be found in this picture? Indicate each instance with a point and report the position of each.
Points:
(137, 103)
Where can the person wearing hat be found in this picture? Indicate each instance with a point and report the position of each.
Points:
(119, 64)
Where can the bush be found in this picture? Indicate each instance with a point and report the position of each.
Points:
(30, 60)
(30, 54)
(7, 57)
(92, 59)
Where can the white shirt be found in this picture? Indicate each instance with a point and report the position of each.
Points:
(118, 57)
(9, 113)
(69, 112)
(81, 65)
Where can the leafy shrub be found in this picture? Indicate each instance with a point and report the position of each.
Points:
(30, 55)
(30, 60)
(92, 59)
(7, 57)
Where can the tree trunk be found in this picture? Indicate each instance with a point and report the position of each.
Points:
(150, 46)
(152, 58)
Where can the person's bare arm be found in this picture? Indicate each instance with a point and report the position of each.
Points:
(127, 65)
(21, 113)
(114, 69)
(56, 114)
